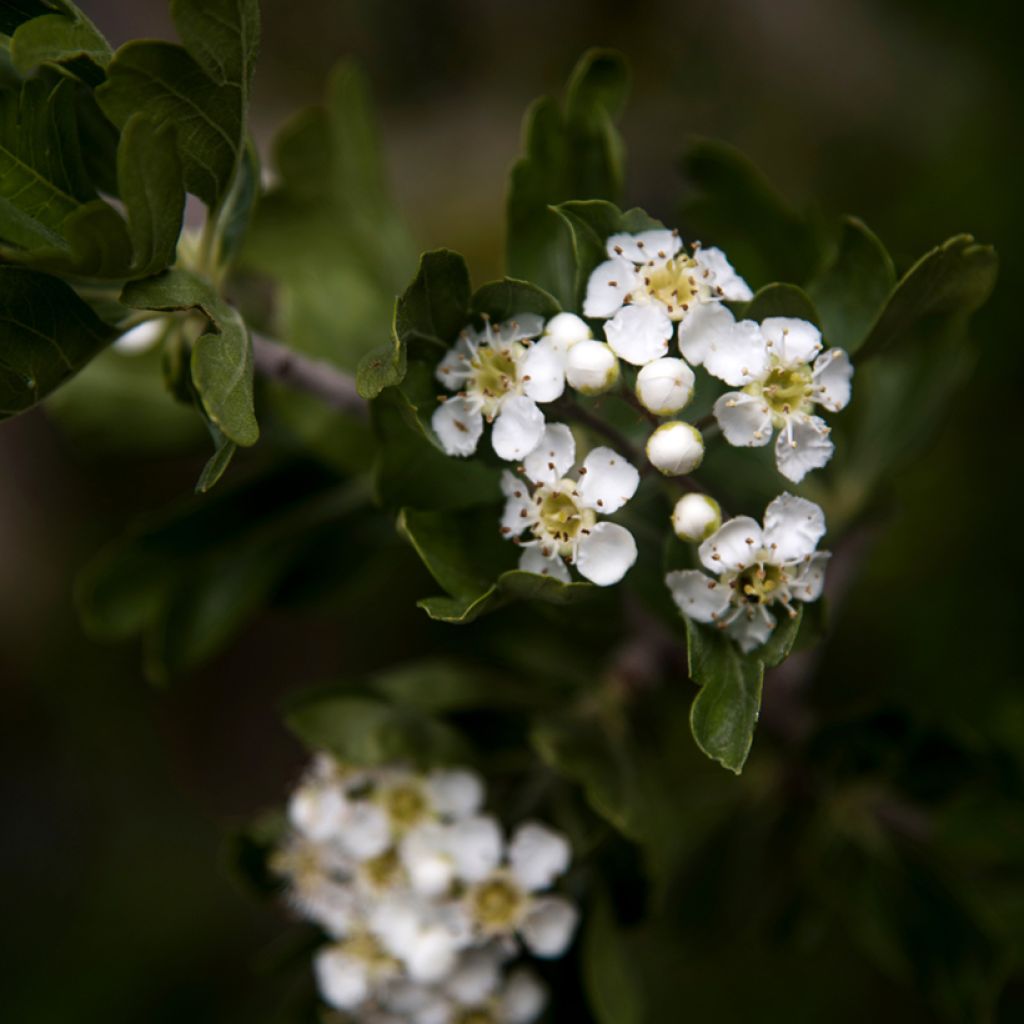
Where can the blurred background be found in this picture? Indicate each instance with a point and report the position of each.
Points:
(117, 794)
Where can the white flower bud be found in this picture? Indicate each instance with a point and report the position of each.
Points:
(665, 386)
(565, 330)
(591, 367)
(675, 448)
(696, 517)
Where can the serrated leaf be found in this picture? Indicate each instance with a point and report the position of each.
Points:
(150, 182)
(67, 39)
(508, 297)
(48, 333)
(780, 299)
(575, 153)
(956, 277)
(851, 291)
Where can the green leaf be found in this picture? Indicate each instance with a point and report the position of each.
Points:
(223, 36)
(508, 297)
(239, 206)
(614, 991)
(217, 464)
(364, 731)
(149, 176)
(956, 277)
(221, 363)
(851, 291)
(67, 38)
(777, 647)
(430, 312)
(734, 206)
(781, 300)
(16, 12)
(570, 153)
(47, 334)
(725, 710)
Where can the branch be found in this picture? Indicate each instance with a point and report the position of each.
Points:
(314, 376)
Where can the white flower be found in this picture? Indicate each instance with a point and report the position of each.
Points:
(350, 972)
(498, 376)
(665, 386)
(756, 569)
(651, 282)
(560, 512)
(675, 448)
(564, 330)
(784, 394)
(696, 517)
(591, 367)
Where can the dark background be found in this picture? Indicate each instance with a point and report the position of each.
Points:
(116, 796)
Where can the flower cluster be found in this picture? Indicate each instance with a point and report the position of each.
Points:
(425, 903)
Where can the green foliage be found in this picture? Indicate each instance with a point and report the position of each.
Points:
(65, 38)
(571, 152)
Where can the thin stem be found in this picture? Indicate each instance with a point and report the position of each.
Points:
(314, 376)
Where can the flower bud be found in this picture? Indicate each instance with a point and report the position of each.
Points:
(696, 517)
(591, 367)
(675, 448)
(665, 386)
(564, 330)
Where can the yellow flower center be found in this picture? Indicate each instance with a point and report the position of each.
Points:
(363, 946)
(497, 904)
(562, 520)
(405, 805)
(493, 375)
(759, 584)
(676, 284)
(383, 872)
(786, 390)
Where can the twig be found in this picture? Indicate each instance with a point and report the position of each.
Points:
(314, 376)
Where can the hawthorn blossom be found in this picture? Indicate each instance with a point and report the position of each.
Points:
(757, 569)
(649, 283)
(559, 512)
(695, 517)
(783, 397)
(499, 375)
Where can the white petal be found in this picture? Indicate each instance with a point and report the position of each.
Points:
(475, 978)
(675, 448)
(366, 832)
(752, 627)
(538, 855)
(791, 341)
(513, 522)
(451, 370)
(532, 559)
(608, 287)
(695, 517)
(456, 792)
(522, 999)
(395, 923)
(342, 979)
(732, 286)
(607, 481)
(565, 330)
(698, 596)
(458, 427)
(745, 421)
(549, 925)
(802, 445)
(517, 429)
(542, 371)
(809, 582)
(141, 338)
(591, 367)
(639, 334)
(832, 375)
(665, 386)
(476, 844)
(553, 457)
(702, 324)
(520, 326)
(737, 354)
(424, 855)
(734, 546)
(644, 246)
(792, 528)
(317, 810)
(606, 554)
(431, 956)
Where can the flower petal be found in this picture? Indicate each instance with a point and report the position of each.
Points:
(366, 832)
(790, 340)
(792, 528)
(517, 429)
(606, 554)
(542, 372)
(424, 855)
(457, 426)
(538, 855)
(548, 926)
(518, 513)
(520, 326)
(698, 596)
(431, 956)
(802, 445)
(702, 324)
(553, 457)
(733, 287)
(659, 244)
(809, 582)
(141, 338)
(737, 354)
(341, 978)
(451, 371)
(317, 810)
(734, 546)
(591, 367)
(751, 628)
(607, 481)
(476, 977)
(456, 792)
(639, 334)
(533, 560)
(476, 845)
(523, 998)
(832, 375)
(746, 421)
(608, 287)
(563, 330)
